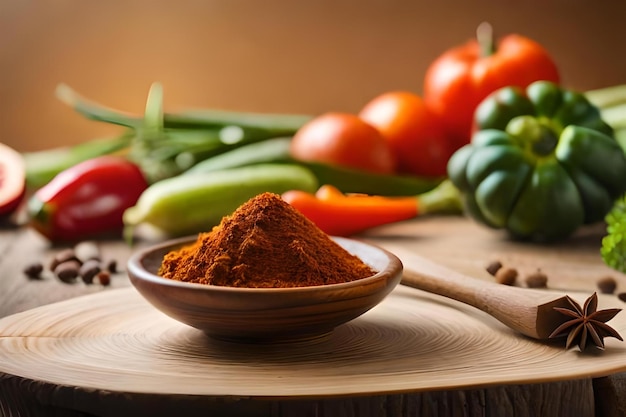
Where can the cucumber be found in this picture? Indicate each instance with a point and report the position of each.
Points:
(189, 204)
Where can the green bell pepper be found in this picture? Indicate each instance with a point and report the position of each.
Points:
(541, 163)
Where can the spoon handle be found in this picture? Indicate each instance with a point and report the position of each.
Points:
(428, 276)
(525, 310)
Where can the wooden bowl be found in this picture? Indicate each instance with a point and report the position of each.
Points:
(266, 315)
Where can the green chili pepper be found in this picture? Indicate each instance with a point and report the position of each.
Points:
(42, 166)
(541, 163)
(166, 144)
(188, 204)
(347, 180)
(266, 124)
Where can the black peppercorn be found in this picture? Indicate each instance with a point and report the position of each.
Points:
(537, 280)
(89, 270)
(607, 285)
(494, 267)
(34, 270)
(506, 276)
(67, 271)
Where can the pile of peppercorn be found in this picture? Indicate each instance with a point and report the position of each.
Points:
(82, 262)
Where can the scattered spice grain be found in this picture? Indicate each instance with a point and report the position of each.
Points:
(537, 280)
(265, 243)
(34, 270)
(494, 267)
(111, 266)
(622, 296)
(82, 261)
(63, 256)
(67, 271)
(506, 276)
(89, 270)
(104, 278)
(607, 285)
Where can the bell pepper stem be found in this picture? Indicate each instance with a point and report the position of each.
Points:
(484, 36)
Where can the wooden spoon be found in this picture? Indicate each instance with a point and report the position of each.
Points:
(528, 311)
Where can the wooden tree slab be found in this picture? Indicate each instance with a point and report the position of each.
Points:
(112, 353)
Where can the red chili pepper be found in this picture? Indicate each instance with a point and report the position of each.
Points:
(87, 199)
(458, 80)
(339, 214)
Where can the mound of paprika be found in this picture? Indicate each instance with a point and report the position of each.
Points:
(265, 243)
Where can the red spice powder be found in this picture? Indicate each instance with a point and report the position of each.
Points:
(265, 243)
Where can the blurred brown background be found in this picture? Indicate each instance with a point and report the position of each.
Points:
(264, 55)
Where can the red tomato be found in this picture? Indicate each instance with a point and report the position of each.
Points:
(458, 80)
(12, 179)
(343, 139)
(414, 133)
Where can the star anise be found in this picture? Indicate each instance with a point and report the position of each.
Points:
(586, 323)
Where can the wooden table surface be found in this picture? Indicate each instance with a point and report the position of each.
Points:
(452, 241)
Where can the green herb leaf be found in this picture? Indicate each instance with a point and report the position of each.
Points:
(613, 248)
